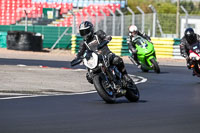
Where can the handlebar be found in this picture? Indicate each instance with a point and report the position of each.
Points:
(76, 61)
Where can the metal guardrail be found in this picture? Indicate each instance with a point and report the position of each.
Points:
(64, 33)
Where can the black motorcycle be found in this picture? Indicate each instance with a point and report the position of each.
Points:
(107, 79)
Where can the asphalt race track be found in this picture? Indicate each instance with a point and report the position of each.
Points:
(169, 103)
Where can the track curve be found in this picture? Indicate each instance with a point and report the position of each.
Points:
(170, 102)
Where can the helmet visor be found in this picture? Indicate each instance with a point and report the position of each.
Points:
(84, 32)
(191, 38)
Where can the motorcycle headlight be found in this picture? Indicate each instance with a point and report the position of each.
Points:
(91, 62)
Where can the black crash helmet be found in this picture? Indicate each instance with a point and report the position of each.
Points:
(190, 36)
(86, 29)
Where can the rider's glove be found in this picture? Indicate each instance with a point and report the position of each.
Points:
(76, 61)
(134, 51)
(102, 44)
(184, 55)
(108, 38)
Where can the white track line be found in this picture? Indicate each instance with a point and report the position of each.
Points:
(79, 93)
(21, 65)
(29, 96)
(142, 81)
(18, 97)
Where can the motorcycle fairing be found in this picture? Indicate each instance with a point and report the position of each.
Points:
(92, 61)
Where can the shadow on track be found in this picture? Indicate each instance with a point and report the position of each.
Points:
(121, 101)
(49, 63)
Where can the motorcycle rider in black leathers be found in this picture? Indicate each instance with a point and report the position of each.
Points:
(97, 41)
(133, 31)
(187, 40)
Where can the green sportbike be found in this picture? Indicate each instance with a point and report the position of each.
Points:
(146, 54)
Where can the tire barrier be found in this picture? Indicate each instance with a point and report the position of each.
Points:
(26, 41)
(12, 39)
(50, 34)
(164, 47)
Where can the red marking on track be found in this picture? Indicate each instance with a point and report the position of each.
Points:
(44, 66)
(48, 67)
(65, 68)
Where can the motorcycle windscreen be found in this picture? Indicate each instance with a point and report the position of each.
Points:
(144, 47)
(142, 43)
(92, 62)
(196, 47)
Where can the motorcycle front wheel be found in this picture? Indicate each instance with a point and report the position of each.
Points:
(105, 93)
(155, 65)
(197, 69)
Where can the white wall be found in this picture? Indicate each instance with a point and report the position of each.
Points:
(186, 0)
(192, 22)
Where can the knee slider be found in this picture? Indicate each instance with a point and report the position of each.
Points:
(117, 61)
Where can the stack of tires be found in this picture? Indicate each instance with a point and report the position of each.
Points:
(26, 41)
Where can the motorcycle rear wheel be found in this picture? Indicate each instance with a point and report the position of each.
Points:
(132, 93)
(108, 97)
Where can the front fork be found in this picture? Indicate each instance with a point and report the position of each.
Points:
(152, 56)
(111, 78)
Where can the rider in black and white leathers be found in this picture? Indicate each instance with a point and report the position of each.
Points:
(187, 40)
(97, 41)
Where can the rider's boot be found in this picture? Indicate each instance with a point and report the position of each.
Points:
(128, 81)
(127, 78)
(137, 63)
(122, 69)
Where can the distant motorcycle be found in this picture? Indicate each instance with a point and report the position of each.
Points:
(146, 55)
(194, 55)
(107, 79)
